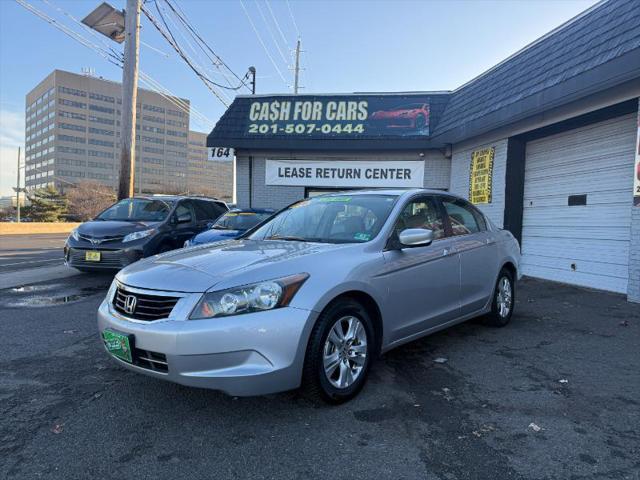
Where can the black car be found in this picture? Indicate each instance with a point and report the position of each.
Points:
(138, 227)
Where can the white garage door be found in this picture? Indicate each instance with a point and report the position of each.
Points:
(582, 244)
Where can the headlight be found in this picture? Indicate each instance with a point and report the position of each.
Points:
(112, 291)
(138, 235)
(255, 297)
(74, 234)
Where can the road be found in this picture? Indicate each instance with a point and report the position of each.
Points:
(554, 395)
(19, 252)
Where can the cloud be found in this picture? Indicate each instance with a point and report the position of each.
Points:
(11, 137)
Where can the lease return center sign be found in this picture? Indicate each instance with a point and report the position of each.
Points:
(319, 173)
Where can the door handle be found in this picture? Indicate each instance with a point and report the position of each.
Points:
(446, 252)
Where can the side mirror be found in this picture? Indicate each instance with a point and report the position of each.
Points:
(185, 218)
(415, 237)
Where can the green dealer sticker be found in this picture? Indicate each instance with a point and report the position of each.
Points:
(118, 344)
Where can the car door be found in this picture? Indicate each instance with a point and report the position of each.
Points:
(478, 253)
(184, 223)
(423, 282)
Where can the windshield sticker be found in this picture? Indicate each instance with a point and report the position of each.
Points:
(333, 199)
(364, 237)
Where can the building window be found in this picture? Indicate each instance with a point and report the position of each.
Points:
(70, 138)
(103, 143)
(75, 116)
(72, 91)
(153, 108)
(101, 131)
(98, 108)
(99, 96)
(71, 103)
(71, 126)
(104, 121)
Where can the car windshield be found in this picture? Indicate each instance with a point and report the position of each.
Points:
(330, 219)
(239, 220)
(137, 210)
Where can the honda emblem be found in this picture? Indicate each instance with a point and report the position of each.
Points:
(130, 303)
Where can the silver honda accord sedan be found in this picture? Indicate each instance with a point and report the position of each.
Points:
(310, 297)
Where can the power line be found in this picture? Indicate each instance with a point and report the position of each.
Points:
(293, 19)
(275, 20)
(194, 57)
(262, 42)
(216, 60)
(176, 101)
(169, 38)
(273, 37)
(67, 31)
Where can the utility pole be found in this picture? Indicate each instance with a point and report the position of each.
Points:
(252, 72)
(18, 189)
(129, 99)
(297, 69)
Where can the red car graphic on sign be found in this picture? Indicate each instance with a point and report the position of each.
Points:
(413, 116)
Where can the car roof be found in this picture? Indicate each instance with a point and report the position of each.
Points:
(388, 191)
(178, 197)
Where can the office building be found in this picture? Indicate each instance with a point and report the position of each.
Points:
(73, 134)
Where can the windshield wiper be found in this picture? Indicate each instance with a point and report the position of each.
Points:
(287, 237)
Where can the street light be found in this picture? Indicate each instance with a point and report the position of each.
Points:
(108, 21)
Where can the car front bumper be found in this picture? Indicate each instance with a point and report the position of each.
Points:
(243, 355)
(110, 259)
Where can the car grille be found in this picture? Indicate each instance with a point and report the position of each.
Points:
(147, 307)
(100, 240)
(108, 258)
(150, 360)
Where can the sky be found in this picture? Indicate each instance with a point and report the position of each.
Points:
(348, 46)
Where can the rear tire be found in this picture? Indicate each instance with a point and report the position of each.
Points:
(503, 300)
(339, 353)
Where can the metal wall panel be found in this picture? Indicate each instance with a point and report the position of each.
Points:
(588, 244)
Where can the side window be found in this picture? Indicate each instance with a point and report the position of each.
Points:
(183, 208)
(206, 211)
(422, 213)
(463, 217)
(215, 209)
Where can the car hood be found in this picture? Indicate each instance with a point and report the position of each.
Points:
(108, 228)
(200, 268)
(215, 235)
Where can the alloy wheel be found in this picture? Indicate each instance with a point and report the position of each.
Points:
(504, 298)
(345, 352)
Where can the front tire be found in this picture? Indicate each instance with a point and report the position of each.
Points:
(339, 353)
(503, 300)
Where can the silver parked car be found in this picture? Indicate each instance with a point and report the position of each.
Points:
(313, 295)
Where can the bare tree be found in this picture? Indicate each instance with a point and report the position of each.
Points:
(87, 199)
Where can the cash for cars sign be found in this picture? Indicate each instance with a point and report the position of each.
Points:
(312, 173)
(481, 175)
(338, 116)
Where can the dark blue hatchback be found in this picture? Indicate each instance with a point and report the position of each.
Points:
(231, 225)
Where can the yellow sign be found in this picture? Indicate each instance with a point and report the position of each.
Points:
(481, 175)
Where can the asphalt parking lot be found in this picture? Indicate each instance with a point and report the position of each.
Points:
(555, 395)
(18, 252)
